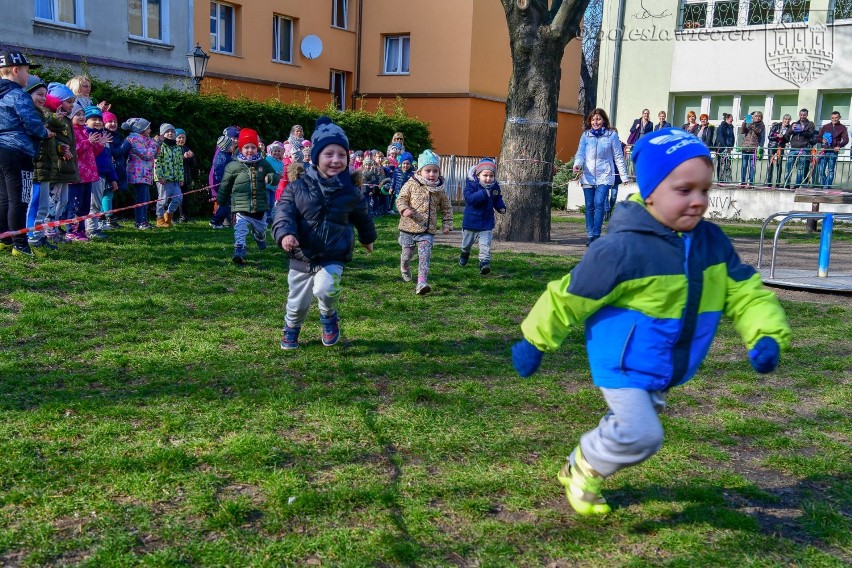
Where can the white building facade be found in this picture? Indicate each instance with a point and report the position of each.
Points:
(143, 42)
(726, 56)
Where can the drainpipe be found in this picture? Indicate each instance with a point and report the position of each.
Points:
(357, 90)
(616, 68)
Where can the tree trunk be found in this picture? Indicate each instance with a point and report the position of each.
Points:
(538, 37)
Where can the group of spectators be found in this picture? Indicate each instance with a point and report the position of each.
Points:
(809, 153)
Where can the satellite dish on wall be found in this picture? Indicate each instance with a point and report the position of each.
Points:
(311, 46)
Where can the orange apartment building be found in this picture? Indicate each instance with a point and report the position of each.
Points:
(448, 61)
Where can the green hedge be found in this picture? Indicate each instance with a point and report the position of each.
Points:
(204, 117)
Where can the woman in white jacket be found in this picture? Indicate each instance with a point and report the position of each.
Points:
(597, 157)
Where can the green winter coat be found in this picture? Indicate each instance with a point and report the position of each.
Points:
(243, 186)
(168, 166)
(49, 163)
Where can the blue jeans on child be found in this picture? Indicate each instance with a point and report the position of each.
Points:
(168, 190)
(141, 193)
(595, 207)
(246, 225)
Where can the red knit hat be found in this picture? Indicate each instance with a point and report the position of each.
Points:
(52, 103)
(248, 136)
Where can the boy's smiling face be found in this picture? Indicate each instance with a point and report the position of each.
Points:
(680, 201)
(332, 160)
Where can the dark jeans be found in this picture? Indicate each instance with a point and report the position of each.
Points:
(223, 212)
(774, 167)
(748, 165)
(142, 193)
(16, 186)
(79, 203)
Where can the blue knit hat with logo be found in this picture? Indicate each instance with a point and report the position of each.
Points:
(428, 158)
(326, 133)
(657, 154)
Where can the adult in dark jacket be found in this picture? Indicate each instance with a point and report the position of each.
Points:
(775, 146)
(641, 126)
(725, 140)
(398, 176)
(315, 222)
(833, 136)
(800, 140)
(662, 121)
(706, 131)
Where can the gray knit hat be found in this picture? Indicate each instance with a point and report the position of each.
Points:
(137, 125)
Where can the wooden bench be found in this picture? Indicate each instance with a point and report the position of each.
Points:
(815, 197)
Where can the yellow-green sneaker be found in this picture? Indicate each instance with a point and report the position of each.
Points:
(583, 486)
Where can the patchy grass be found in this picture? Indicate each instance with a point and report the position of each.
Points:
(150, 418)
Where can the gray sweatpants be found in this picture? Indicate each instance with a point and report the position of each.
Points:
(95, 223)
(168, 190)
(468, 238)
(246, 224)
(628, 434)
(324, 284)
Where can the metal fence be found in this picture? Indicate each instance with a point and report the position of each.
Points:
(786, 168)
(455, 171)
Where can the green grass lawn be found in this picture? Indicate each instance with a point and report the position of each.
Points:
(150, 418)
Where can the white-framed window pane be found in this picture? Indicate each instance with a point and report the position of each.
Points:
(67, 11)
(841, 10)
(134, 17)
(751, 103)
(761, 12)
(693, 15)
(338, 90)
(391, 50)
(44, 9)
(795, 11)
(726, 13)
(682, 105)
(214, 26)
(154, 19)
(720, 104)
(221, 27)
(339, 13)
(405, 55)
(831, 102)
(282, 39)
(785, 104)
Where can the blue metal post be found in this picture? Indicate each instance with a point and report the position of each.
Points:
(825, 244)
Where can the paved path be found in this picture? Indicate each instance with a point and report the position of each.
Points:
(569, 239)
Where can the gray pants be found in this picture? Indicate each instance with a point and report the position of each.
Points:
(324, 284)
(246, 224)
(468, 237)
(168, 190)
(628, 434)
(43, 207)
(94, 224)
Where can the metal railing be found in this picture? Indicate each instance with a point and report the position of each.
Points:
(455, 171)
(790, 168)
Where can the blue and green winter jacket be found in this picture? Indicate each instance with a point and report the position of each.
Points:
(651, 299)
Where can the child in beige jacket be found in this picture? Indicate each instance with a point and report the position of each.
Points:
(418, 204)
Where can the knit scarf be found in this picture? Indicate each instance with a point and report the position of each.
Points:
(598, 132)
(487, 186)
(439, 184)
(249, 160)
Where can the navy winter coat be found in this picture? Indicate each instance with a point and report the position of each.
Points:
(480, 204)
(118, 150)
(321, 213)
(21, 125)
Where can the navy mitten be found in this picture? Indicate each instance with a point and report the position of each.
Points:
(526, 358)
(764, 356)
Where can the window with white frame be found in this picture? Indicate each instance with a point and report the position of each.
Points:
(841, 10)
(221, 27)
(340, 13)
(701, 14)
(68, 12)
(839, 102)
(148, 19)
(282, 39)
(397, 55)
(338, 89)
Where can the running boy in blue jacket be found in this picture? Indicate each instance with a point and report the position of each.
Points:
(651, 294)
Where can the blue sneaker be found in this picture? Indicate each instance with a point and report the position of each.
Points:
(239, 254)
(290, 339)
(330, 329)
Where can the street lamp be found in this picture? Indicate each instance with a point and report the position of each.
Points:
(197, 65)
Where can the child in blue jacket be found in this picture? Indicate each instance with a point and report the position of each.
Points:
(651, 294)
(482, 198)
